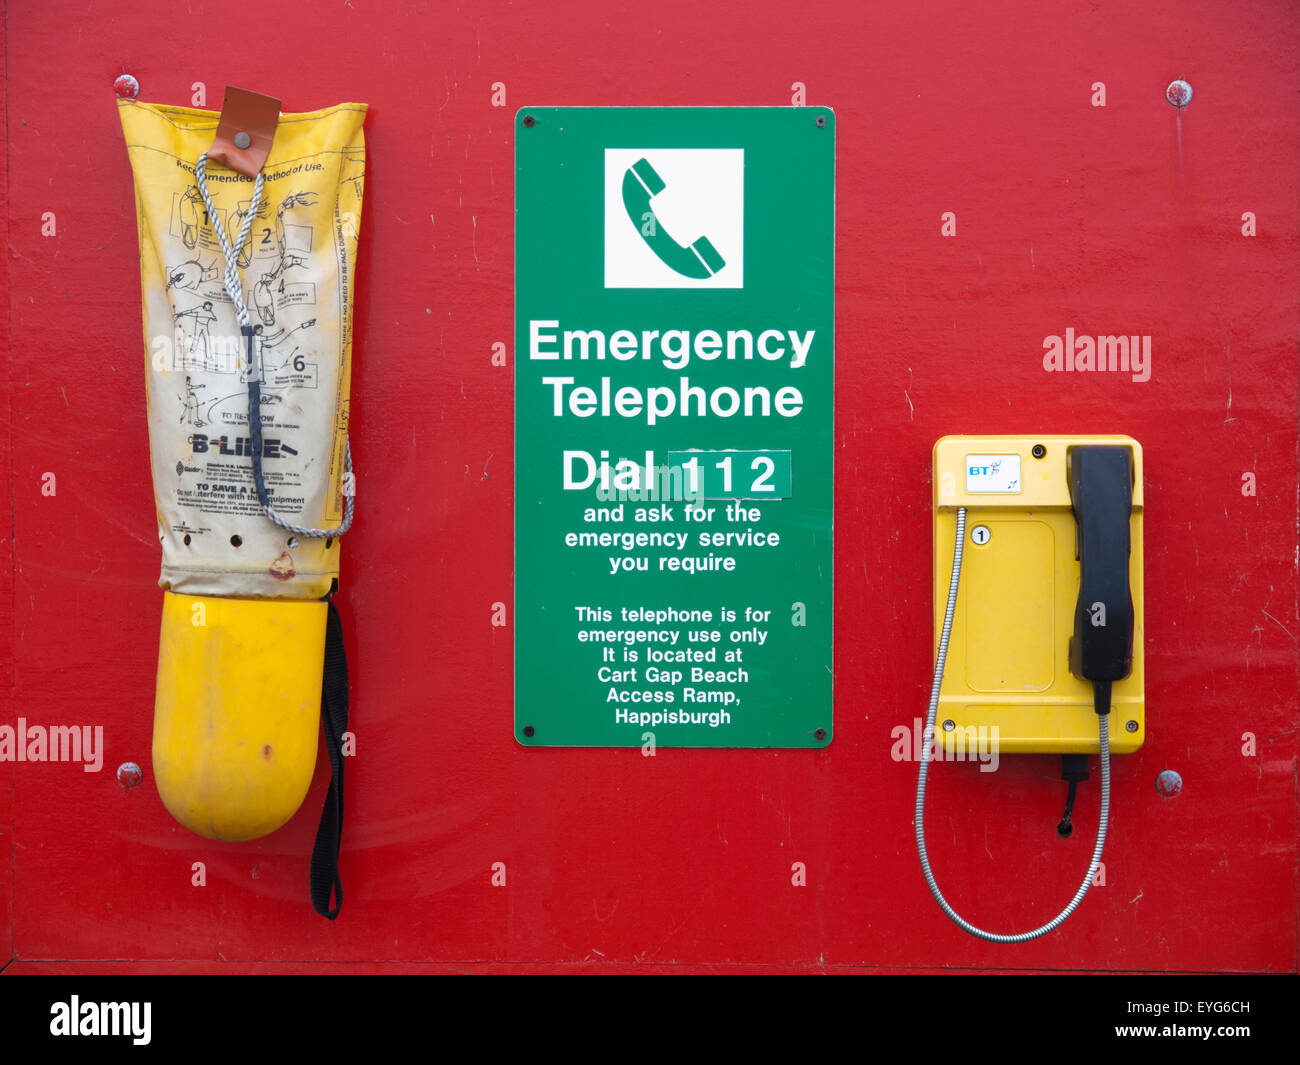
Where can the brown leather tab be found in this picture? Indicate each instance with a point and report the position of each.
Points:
(245, 130)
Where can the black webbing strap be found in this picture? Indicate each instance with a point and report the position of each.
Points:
(325, 880)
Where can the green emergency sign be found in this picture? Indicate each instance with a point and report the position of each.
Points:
(674, 445)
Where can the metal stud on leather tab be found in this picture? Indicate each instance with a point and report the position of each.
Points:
(245, 130)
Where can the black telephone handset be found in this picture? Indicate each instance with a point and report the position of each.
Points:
(1101, 490)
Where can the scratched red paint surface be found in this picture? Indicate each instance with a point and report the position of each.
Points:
(1069, 215)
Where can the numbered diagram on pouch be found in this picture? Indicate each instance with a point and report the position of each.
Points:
(274, 262)
(283, 247)
(674, 217)
(273, 258)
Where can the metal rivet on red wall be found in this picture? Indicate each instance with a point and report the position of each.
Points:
(129, 775)
(126, 87)
(1179, 94)
(1169, 783)
(242, 139)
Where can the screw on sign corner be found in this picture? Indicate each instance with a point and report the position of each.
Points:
(1178, 93)
(129, 775)
(126, 87)
(1168, 784)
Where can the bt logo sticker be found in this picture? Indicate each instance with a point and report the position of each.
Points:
(993, 473)
(674, 217)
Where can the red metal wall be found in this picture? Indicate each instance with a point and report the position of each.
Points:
(1068, 215)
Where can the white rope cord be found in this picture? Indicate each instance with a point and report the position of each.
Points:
(235, 290)
(233, 287)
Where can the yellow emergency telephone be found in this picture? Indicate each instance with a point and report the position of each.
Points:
(1038, 613)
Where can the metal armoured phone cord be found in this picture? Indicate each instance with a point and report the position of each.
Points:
(1102, 703)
